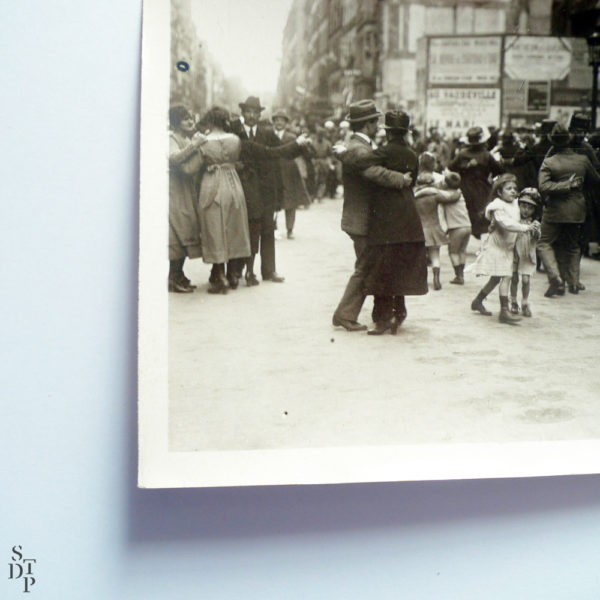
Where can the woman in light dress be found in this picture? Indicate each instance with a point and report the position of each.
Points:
(221, 204)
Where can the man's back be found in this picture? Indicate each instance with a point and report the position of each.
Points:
(357, 190)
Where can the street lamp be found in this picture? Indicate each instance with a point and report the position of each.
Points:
(593, 42)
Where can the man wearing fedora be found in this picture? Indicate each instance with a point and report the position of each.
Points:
(294, 191)
(475, 164)
(261, 180)
(359, 188)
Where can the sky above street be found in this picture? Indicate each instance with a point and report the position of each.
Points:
(245, 37)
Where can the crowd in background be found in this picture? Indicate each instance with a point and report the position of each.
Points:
(231, 174)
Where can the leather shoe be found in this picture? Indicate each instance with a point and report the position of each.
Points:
(556, 288)
(180, 287)
(251, 279)
(275, 278)
(506, 317)
(477, 305)
(382, 326)
(347, 324)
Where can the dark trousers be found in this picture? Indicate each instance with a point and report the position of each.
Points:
(290, 219)
(262, 235)
(560, 250)
(354, 297)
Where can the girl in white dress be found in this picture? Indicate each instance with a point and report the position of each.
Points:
(497, 256)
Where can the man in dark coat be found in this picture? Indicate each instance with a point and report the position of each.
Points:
(294, 192)
(261, 180)
(563, 175)
(536, 154)
(475, 164)
(359, 188)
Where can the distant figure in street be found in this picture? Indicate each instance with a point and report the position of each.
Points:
(475, 164)
(497, 256)
(322, 161)
(294, 189)
(184, 222)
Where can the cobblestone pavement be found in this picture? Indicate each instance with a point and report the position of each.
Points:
(263, 367)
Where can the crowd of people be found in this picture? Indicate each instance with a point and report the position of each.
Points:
(529, 195)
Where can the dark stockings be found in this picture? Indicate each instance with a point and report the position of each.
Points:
(488, 287)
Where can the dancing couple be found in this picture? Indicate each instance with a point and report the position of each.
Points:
(380, 216)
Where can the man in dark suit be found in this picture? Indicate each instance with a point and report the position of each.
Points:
(261, 180)
(359, 188)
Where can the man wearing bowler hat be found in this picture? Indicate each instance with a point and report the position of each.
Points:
(261, 180)
(359, 188)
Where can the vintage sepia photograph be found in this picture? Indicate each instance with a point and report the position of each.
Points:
(369, 241)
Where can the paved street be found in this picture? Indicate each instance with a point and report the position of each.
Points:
(263, 367)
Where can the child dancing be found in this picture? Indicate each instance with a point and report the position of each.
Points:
(427, 198)
(497, 256)
(525, 256)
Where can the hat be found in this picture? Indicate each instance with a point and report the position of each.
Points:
(363, 110)
(546, 126)
(329, 124)
(530, 195)
(280, 114)
(397, 120)
(508, 135)
(251, 102)
(476, 136)
(344, 124)
(559, 137)
(500, 181)
(452, 180)
(579, 122)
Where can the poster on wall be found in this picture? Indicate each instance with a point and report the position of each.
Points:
(536, 57)
(457, 109)
(464, 60)
(261, 359)
(538, 96)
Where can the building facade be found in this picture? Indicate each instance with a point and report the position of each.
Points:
(339, 51)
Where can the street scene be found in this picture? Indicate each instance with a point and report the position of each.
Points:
(263, 367)
(384, 223)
